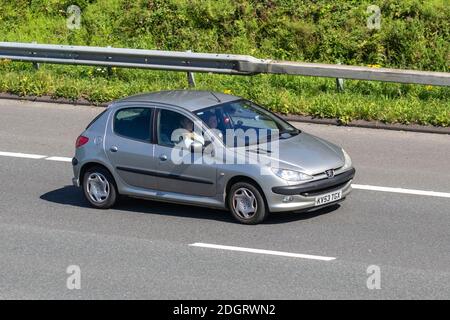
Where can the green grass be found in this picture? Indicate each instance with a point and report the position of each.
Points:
(414, 34)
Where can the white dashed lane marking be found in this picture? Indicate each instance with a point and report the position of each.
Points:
(63, 159)
(21, 155)
(401, 190)
(261, 251)
(33, 156)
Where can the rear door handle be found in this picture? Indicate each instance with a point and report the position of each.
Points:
(163, 157)
(113, 149)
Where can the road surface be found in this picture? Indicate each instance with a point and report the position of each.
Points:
(144, 249)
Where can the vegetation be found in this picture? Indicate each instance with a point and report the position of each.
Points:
(413, 34)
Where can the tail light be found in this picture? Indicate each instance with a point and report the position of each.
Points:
(81, 141)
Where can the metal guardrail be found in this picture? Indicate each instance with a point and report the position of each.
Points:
(207, 62)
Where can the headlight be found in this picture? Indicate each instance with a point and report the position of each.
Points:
(291, 175)
(348, 160)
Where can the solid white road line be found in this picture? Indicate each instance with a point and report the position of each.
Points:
(401, 190)
(63, 159)
(33, 156)
(260, 251)
(354, 186)
(21, 155)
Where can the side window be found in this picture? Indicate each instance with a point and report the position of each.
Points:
(176, 129)
(133, 123)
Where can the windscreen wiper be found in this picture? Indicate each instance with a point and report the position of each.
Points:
(291, 132)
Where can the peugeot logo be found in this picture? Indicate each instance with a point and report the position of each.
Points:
(330, 173)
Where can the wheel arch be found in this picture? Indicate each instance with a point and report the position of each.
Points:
(91, 164)
(242, 178)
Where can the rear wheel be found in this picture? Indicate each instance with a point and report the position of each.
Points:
(247, 204)
(99, 188)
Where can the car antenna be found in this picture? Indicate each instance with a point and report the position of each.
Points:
(218, 100)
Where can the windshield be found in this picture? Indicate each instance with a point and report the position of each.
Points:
(245, 119)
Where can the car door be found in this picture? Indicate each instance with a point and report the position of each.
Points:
(128, 144)
(176, 170)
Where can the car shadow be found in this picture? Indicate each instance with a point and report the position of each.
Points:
(285, 217)
(73, 196)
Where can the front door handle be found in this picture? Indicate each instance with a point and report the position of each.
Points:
(163, 157)
(113, 149)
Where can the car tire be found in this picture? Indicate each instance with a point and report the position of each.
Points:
(99, 188)
(247, 204)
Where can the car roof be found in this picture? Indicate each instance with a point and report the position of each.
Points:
(191, 100)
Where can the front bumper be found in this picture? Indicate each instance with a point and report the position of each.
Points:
(317, 186)
(303, 196)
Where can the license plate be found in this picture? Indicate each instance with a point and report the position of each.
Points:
(329, 197)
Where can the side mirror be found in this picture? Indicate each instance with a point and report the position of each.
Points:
(196, 147)
(206, 149)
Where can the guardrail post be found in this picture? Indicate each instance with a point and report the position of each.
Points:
(190, 77)
(339, 83)
(35, 64)
(110, 72)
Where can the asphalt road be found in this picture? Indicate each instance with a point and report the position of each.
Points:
(141, 249)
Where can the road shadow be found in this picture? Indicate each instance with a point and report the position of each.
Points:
(73, 196)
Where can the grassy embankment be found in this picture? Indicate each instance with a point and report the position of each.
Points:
(414, 34)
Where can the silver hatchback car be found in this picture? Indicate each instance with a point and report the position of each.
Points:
(208, 149)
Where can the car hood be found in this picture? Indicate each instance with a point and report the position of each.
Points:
(305, 152)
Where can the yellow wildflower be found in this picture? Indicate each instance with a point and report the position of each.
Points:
(4, 61)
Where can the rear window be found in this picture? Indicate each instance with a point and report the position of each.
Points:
(133, 123)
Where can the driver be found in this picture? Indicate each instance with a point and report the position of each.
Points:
(211, 121)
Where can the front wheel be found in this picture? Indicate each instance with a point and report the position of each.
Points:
(99, 188)
(247, 204)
